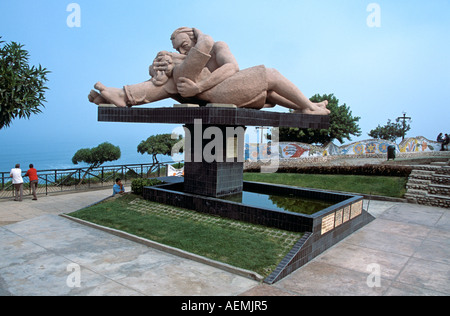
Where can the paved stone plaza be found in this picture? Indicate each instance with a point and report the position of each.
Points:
(404, 251)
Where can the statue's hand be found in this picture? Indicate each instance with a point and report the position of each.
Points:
(187, 88)
(197, 32)
(159, 66)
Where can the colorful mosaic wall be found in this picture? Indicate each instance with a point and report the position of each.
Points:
(254, 151)
(372, 146)
(418, 144)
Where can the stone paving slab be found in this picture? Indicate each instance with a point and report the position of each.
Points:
(14, 211)
(409, 243)
(35, 256)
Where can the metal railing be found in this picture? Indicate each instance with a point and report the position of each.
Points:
(77, 179)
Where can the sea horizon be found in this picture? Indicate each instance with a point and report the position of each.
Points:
(61, 158)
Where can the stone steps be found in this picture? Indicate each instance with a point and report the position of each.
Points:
(419, 184)
(422, 174)
(416, 186)
(439, 163)
(427, 167)
(434, 200)
(442, 197)
(441, 179)
(444, 170)
(416, 192)
(439, 189)
(419, 181)
(429, 185)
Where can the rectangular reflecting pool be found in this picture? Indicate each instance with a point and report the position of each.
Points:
(324, 217)
(278, 202)
(278, 206)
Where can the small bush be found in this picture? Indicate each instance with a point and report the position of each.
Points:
(137, 185)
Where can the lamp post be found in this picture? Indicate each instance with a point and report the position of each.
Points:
(403, 118)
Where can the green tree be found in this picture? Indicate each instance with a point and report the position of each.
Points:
(22, 88)
(160, 144)
(96, 156)
(342, 125)
(391, 131)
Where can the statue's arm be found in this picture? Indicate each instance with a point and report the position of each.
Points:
(196, 59)
(220, 61)
(227, 66)
(205, 43)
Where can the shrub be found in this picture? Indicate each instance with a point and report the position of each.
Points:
(137, 185)
(365, 170)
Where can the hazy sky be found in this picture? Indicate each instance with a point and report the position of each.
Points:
(381, 60)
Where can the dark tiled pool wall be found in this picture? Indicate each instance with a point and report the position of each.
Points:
(213, 179)
(322, 229)
(314, 243)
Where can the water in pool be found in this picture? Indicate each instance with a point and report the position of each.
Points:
(289, 203)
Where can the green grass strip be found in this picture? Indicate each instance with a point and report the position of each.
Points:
(248, 246)
(376, 185)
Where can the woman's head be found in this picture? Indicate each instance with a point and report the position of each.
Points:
(162, 60)
(167, 61)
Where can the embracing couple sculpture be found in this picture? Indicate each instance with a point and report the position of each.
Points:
(204, 72)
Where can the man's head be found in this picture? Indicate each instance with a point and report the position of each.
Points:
(183, 39)
(118, 181)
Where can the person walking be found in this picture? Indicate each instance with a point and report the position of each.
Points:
(17, 180)
(32, 174)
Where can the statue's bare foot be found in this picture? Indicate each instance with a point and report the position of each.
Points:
(322, 104)
(316, 109)
(96, 98)
(114, 96)
(99, 86)
(321, 108)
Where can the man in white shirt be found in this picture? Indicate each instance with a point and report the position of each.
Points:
(17, 180)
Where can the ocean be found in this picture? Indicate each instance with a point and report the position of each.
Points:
(59, 156)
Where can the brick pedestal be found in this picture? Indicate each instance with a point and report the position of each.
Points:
(214, 145)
